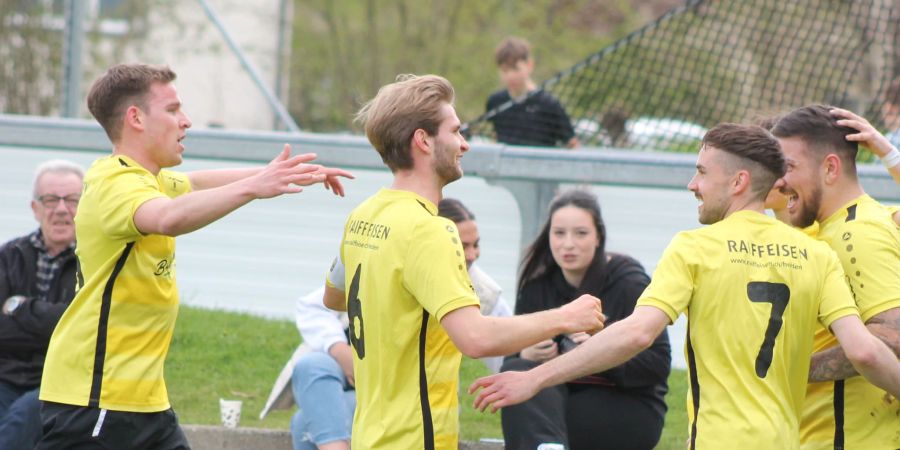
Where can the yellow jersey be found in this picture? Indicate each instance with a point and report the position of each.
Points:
(404, 270)
(109, 347)
(853, 413)
(753, 289)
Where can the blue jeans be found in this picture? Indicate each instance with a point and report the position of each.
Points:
(326, 409)
(20, 417)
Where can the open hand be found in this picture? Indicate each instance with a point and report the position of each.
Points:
(503, 389)
(867, 135)
(287, 174)
(332, 180)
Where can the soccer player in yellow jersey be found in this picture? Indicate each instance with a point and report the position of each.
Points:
(411, 304)
(102, 384)
(820, 146)
(753, 288)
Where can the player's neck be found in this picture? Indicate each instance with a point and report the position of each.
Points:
(425, 186)
(139, 156)
(837, 195)
(746, 204)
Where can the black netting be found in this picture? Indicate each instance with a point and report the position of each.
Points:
(710, 62)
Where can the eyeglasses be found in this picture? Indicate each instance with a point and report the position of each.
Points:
(51, 201)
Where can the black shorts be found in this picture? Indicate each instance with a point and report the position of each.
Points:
(81, 427)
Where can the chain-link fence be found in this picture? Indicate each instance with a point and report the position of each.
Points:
(713, 61)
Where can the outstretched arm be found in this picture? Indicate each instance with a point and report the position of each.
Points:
(605, 350)
(871, 357)
(833, 364)
(194, 210)
(478, 336)
(208, 179)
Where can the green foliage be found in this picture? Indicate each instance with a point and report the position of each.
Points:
(344, 51)
(217, 354)
(32, 52)
(675, 432)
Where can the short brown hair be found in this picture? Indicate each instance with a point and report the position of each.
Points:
(815, 125)
(121, 86)
(512, 50)
(398, 110)
(756, 150)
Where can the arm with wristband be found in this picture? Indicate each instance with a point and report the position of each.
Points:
(870, 138)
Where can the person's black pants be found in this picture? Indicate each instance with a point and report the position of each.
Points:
(83, 428)
(580, 416)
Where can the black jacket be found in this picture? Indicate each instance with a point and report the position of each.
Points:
(25, 335)
(623, 281)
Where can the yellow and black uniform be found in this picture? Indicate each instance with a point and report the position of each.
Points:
(853, 413)
(110, 345)
(405, 270)
(753, 289)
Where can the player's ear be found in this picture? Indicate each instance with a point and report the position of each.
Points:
(421, 141)
(740, 182)
(133, 118)
(831, 168)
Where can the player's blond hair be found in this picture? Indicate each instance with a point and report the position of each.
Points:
(398, 110)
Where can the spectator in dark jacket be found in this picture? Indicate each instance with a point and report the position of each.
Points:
(620, 409)
(37, 282)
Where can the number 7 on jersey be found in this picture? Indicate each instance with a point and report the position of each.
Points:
(778, 294)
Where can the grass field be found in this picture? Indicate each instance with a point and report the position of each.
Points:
(219, 354)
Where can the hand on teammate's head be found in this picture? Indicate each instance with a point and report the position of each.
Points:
(867, 135)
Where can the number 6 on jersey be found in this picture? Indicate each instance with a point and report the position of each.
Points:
(354, 311)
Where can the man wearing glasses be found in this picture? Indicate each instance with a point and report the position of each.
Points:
(37, 282)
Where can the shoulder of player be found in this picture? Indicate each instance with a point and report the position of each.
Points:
(172, 174)
(114, 166)
(868, 219)
(428, 224)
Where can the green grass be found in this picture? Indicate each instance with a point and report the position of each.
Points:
(218, 354)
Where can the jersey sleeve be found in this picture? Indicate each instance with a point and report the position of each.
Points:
(435, 269)
(335, 276)
(672, 285)
(121, 193)
(836, 299)
(869, 253)
(174, 183)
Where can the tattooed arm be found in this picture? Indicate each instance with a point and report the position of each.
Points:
(832, 364)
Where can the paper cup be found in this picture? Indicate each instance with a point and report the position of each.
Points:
(231, 412)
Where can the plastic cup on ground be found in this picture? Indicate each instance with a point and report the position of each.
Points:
(231, 412)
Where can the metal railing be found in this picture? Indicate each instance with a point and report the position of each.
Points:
(530, 174)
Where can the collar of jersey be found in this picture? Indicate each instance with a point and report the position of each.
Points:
(841, 213)
(403, 194)
(128, 160)
(747, 214)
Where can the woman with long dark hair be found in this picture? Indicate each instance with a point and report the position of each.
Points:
(619, 409)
